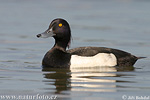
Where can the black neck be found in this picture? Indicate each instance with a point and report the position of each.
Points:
(61, 44)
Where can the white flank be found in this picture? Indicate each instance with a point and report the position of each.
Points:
(101, 59)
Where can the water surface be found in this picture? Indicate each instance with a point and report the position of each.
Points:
(117, 24)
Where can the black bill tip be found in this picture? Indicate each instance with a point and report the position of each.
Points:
(39, 35)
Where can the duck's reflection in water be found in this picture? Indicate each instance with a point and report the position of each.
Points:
(97, 79)
(60, 78)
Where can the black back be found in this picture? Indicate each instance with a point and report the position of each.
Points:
(123, 58)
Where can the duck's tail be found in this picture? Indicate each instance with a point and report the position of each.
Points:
(141, 57)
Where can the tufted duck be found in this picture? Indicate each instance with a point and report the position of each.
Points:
(59, 57)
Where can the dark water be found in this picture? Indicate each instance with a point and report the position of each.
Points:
(121, 24)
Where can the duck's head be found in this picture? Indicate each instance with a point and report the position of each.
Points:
(60, 30)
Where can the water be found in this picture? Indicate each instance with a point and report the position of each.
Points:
(117, 24)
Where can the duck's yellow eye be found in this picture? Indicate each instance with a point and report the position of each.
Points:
(60, 25)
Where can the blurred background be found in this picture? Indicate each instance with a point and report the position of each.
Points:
(120, 24)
